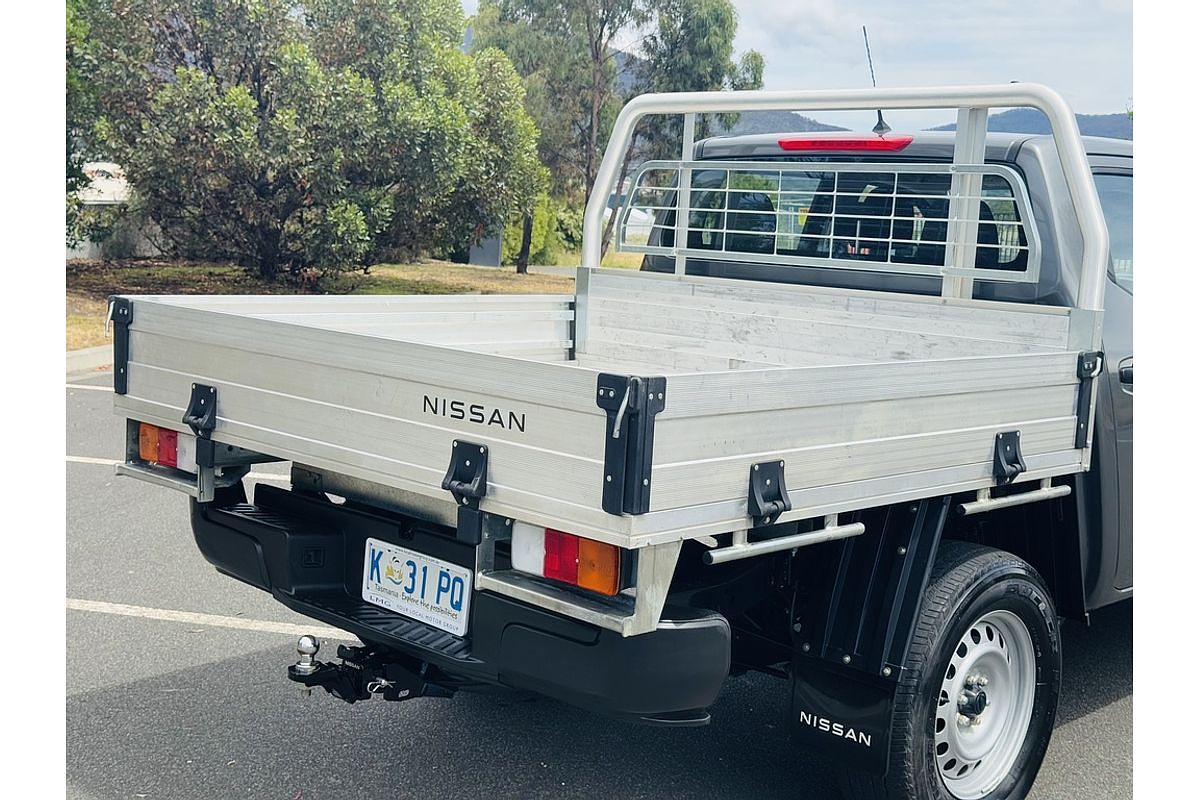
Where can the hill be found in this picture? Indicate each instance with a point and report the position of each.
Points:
(1030, 120)
(777, 122)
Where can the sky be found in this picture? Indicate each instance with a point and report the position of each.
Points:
(1081, 48)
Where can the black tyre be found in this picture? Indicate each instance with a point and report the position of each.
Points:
(975, 709)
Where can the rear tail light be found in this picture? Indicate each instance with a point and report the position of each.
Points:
(166, 447)
(567, 558)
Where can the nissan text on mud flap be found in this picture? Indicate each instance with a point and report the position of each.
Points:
(862, 421)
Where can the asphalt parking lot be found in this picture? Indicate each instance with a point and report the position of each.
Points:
(163, 704)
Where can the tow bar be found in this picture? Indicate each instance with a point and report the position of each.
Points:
(364, 671)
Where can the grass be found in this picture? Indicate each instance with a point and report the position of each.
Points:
(442, 278)
(85, 321)
(89, 284)
(622, 260)
(611, 259)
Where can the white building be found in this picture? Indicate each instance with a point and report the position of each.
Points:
(108, 187)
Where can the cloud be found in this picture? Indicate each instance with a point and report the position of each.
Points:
(1082, 48)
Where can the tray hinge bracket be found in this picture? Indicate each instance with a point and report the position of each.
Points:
(466, 479)
(630, 405)
(1090, 365)
(768, 495)
(120, 315)
(201, 417)
(1007, 462)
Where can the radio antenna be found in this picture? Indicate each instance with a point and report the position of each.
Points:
(881, 127)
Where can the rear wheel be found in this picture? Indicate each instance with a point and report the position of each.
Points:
(975, 707)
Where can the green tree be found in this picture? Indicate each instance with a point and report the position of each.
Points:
(504, 135)
(563, 49)
(689, 49)
(283, 134)
(81, 113)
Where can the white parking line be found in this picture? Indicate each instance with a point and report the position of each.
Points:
(89, 387)
(212, 620)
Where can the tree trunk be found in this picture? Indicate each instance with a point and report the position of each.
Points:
(268, 253)
(596, 48)
(612, 218)
(526, 243)
(589, 167)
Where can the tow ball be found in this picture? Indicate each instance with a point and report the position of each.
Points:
(362, 673)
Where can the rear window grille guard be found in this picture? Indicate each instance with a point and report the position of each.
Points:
(896, 218)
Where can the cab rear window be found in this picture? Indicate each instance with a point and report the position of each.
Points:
(886, 216)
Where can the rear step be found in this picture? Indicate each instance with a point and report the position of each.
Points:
(302, 550)
(372, 623)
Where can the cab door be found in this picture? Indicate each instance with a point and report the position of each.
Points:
(1114, 183)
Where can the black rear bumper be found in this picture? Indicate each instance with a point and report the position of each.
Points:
(308, 552)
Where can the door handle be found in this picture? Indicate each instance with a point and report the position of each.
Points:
(1125, 372)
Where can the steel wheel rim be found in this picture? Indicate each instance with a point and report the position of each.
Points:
(977, 739)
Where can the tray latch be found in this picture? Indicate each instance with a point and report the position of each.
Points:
(201, 413)
(466, 479)
(768, 496)
(1007, 462)
(1090, 366)
(120, 315)
(201, 417)
(630, 405)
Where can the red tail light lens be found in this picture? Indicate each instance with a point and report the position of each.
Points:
(168, 445)
(562, 556)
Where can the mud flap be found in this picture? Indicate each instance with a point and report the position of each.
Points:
(843, 715)
(853, 623)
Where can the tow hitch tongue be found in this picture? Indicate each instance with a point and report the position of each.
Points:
(364, 671)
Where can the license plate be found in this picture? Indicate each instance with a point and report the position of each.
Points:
(426, 589)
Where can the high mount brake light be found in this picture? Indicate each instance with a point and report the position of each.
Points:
(565, 557)
(851, 143)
